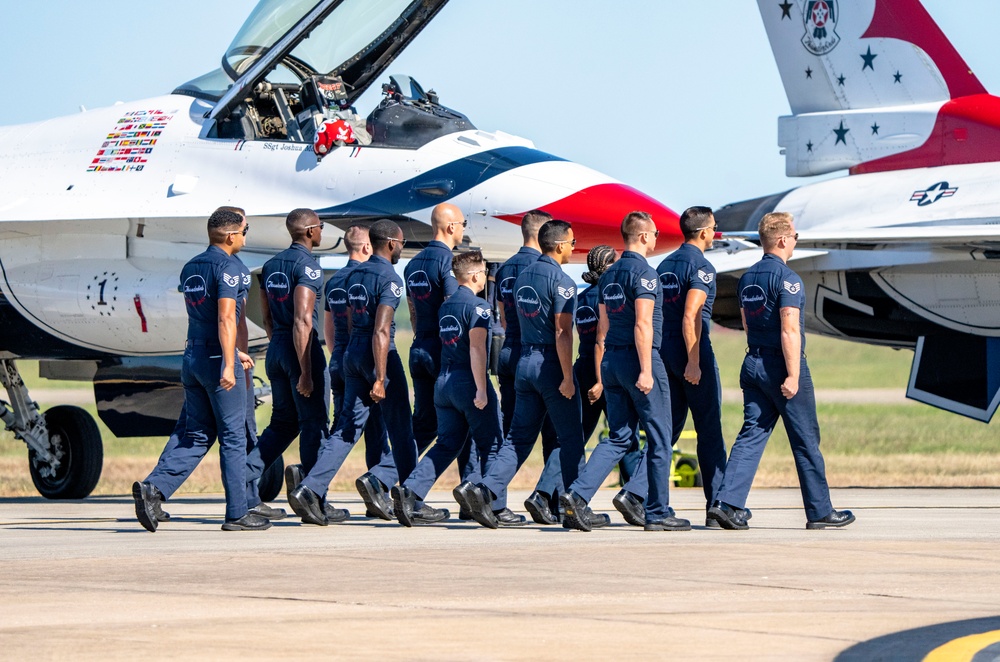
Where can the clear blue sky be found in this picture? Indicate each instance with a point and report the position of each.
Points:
(677, 98)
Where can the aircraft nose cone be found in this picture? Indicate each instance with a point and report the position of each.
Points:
(596, 213)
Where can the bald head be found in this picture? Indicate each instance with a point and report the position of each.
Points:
(448, 223)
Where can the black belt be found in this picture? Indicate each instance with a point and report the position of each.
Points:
(618, 348)
(203, 342)
(765, 351)
(540, 347)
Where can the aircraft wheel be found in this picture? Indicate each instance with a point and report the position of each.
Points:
(76, 440)
(687, 473)
(272, 480)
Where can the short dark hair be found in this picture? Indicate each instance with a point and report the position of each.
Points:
(550, 234)
(633, 223)
(237, 210)
(352, 237)
(222, 219)
(381, 232)
(694, 220)
(297, 218)
(532, 222)
(464, 264)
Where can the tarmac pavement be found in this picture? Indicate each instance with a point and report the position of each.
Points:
(918, 570)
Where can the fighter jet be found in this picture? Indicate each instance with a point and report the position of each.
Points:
(905, 250)
(95, 226)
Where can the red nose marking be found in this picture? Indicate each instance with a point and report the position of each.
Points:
(596, 214)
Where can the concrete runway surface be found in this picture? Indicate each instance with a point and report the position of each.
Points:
(918, 570)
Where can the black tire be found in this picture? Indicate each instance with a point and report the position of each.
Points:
(692, 470)
(74, 433)
(272, 480)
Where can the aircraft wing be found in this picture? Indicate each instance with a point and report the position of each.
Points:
(973, 236)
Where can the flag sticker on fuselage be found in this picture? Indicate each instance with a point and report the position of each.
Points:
(131, 141)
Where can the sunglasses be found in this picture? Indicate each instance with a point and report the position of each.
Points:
(793, 236)
(316, 225)
(655, 233)
(571, 242)
(707, 227)
(246, 228)
(464, 223)
(402, 242)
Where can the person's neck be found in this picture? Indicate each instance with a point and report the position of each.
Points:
(305, 243)
(385, 255)
(554, 256)
(636, 248)
(778, 254)
(444, 239)
(533, 243)
(226, 248)
(697, 244)
(357, 257)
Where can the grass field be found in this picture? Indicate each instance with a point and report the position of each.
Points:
(864, 444)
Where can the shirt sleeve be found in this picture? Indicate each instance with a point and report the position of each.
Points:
(564, 297)
(644, 285)
(230, 280)
(791, 294)
(481, 316)
(327, 291)
(448, 281)
(702, 277)
(308, 275)
(390, 291)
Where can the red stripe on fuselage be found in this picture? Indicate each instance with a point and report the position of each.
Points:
(596, 214)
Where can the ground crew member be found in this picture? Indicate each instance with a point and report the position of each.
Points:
(630, 305)
(429, 281)
(290, 284)
(544, 500)
(463, 395)
(776, 382)
(373, 374)
(629, 500)
(688, 282)
(214, 390)
(546, 300)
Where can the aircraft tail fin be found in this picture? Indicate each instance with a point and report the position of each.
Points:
(875, 85)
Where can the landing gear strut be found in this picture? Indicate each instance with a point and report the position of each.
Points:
(64, 445)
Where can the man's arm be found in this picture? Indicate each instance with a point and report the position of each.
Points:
(477, 356)
(595, 392)
(265, 312)
(691, 330)
(791, 347)
(413, 312)
(243, 342)
(644, 343)
(304, 303)
(227, 338)
(503, 318)
(329, 330)
(564, 349)
(380, 349)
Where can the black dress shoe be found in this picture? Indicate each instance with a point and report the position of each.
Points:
(574, 511)
(146, 505)
(538, 507)
(835, 518)
(376, 498)
(404, 502)
(597, 520)
(464, 514)
(248, 522)
(729, 517)
(477, 500)
(293, 476)
(267, 511)
(336, 515)
(307, 505)
(507, 517)
(669, 523)
(631, 508)
(429, 515)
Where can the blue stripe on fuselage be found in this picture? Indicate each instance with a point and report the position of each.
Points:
(463, 174)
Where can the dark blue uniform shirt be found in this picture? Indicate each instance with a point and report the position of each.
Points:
(244, 292)
(335, 302)
(208, 277)
(685, 269)
(765, 289)
(369, 285)
(462, 312)
(429, 281)
(626, 280)
(506, 277)
(287, 270)
(542, 291)
(586, 320)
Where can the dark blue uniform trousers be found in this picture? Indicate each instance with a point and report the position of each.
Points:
(550, 480)
(628, 407)
(457, 417)
(538, 377)
(705, 402)
(293, 414)
(209, 412)
(425, 364)
(761, 379)
(375, 430)
(389, 465)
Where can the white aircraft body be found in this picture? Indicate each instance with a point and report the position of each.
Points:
(905, 251)
(99, 211)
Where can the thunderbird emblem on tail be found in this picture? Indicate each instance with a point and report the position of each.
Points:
(820, 18)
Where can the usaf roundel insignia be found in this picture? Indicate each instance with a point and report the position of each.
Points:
(397, 291)
(705, 278)
(792, 288)
(567, 292)
(648, 284)
(313, 274)
(483, 312)
(231, 281)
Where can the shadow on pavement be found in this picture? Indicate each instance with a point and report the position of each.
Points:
(914, 645)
